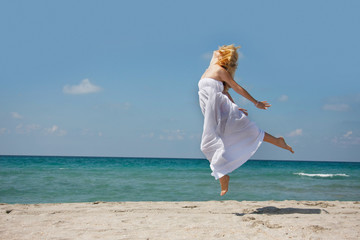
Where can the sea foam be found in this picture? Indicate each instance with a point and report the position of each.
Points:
(324, 175)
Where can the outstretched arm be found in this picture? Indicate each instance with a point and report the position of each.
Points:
(229, 96)
(226, 77)
(231, 99)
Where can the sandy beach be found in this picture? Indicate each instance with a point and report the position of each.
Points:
(182, 220)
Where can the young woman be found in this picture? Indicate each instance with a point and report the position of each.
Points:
(229, 138)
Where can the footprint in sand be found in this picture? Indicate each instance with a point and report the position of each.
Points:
(266, 224)
(317, 228)
(248, 218)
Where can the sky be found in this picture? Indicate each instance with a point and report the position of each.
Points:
(119, 78)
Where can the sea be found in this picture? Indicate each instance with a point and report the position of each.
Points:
(42, 179)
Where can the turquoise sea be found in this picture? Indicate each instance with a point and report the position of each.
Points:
(34, 179)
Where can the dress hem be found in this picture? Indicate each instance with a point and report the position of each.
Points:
(219, 174)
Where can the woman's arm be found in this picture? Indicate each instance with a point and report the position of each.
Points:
(226, 77)
(231, 99)
(229, 96)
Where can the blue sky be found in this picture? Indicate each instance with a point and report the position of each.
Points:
(119, 78)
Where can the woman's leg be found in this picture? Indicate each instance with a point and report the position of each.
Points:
(280, 142)
(224, 183)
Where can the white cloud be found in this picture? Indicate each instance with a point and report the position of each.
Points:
(347, 139)
(3, 131)
(283, 98)
(340, 107)
(85, 131)
(296, 132)
(84, 87)
(19, 126)
(126, 106)
(171, 135)
(342, 103)
(195, 136)
(16, 115)
(241, 55)
(149, 135)
(55, 130)
(24, 129)
(207, 56)
(348, 134)
(32, 127)
(89, 132)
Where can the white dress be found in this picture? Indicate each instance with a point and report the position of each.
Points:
(229, 138)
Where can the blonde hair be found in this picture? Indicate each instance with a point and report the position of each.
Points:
(228, 59)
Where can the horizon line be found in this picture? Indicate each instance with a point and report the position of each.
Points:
(184, 158)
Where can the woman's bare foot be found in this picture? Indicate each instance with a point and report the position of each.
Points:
(282, 144)
(224, 182)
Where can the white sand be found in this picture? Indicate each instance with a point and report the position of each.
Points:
(182, 220)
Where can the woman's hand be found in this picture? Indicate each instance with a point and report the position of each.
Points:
(244, 111)
(262, 105)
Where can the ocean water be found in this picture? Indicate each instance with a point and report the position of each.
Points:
(32, 179)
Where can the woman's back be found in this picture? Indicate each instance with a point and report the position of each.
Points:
(214, 72)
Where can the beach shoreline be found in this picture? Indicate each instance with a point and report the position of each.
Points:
(182, 220)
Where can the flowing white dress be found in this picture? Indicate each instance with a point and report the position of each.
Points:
(229, 138)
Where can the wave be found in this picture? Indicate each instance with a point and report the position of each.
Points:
(324, 175)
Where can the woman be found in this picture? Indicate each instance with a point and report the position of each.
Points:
(229, 139)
